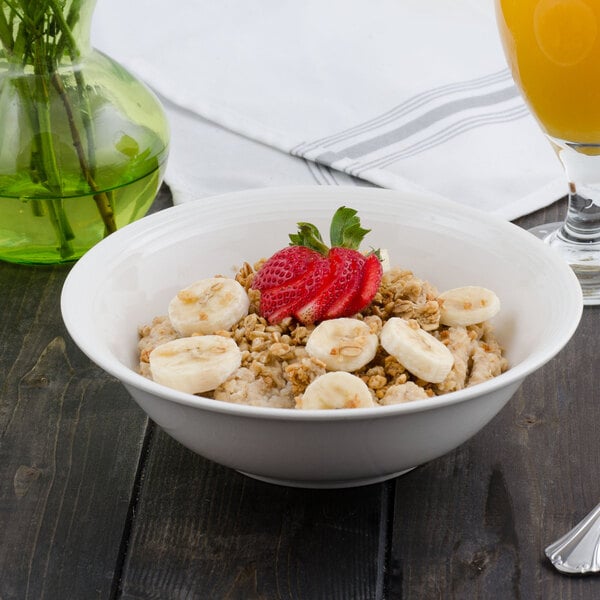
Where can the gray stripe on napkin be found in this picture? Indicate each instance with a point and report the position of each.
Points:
(440, 137)
(426, 120)
(322, 174)
(404, 108)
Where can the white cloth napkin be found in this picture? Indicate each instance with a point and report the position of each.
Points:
(403, 94)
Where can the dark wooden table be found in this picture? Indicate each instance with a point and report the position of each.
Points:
(96, 502)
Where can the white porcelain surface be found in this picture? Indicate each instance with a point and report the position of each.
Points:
(129, 278)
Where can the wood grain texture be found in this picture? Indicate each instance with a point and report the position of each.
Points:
(474, 524)
(203, 531)
(70, 444)
(70, 441)
(95, 502)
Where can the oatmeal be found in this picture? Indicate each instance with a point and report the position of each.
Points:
(276, 368)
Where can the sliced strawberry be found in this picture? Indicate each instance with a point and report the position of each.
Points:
(280, 302)
(311, 281)
(341, 285)
(285, 266)
(371, 278)
(348, 283)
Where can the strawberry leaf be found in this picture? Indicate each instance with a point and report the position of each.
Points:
(345, 230)
(375, 251)
(308, 235)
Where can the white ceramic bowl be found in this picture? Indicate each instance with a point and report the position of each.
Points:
(129, 278)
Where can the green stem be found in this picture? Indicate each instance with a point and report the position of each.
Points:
(50, 170)
(5, 33)
(43, 37)
(69, 41)
(64, 27)
(101, 198)
(43, 158)
(35, 166)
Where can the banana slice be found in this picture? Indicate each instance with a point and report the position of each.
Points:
(195, 364)
(336, 390)
(467, 305)
(343, 344)
(207, 306)
(420, 353)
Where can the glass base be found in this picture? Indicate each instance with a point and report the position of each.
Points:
(584, 259)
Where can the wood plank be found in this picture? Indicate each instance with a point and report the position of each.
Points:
(204, 531)
(70, 442)
(474, 523)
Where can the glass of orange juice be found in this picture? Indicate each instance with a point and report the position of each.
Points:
(553, 50)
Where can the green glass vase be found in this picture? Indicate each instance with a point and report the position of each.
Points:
(83, 143)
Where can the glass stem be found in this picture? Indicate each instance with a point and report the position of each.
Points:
(582, 224)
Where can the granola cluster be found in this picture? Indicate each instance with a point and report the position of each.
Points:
(276, 369)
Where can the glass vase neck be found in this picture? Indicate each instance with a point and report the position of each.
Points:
(44, 34)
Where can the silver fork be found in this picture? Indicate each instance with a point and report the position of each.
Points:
(578, 551)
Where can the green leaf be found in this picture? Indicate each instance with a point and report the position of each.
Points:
(345, 230)
(308, 235)
(376, 252)
(127, 146)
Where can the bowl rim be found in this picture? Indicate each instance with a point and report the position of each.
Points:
(130, 379)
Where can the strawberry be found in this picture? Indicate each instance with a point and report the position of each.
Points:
(285, 266)
(348, 268)
(369, 284)
(279, 302)
(310, 281)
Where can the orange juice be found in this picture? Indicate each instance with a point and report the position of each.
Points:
(553, 49)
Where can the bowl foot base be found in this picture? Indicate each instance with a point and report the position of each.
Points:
(324, 485)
